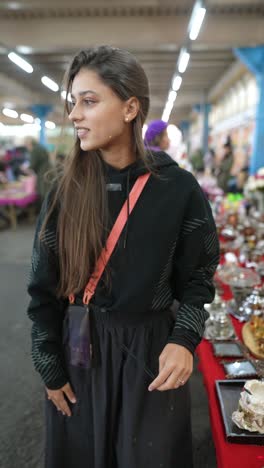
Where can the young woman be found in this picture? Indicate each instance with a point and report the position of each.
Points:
(131, 407)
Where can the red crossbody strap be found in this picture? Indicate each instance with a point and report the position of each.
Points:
(113, 239)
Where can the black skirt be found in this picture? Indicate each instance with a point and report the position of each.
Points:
(117, 422)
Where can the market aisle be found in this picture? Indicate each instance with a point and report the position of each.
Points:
(21, 394)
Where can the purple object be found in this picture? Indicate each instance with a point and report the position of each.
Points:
(156, 127)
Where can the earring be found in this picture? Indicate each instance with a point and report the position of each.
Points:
(126, 119)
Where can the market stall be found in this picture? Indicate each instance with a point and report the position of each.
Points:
(18, 195)
(232, 351)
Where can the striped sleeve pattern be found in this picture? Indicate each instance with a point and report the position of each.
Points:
(195, 261)
(163, 296)
(45, 309)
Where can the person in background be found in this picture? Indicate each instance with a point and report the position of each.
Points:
(3, 178)
(156, 136)
(40, 164)
(209, 160)
(223, 171)
(197, 161)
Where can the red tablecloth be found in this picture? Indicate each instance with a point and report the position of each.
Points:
(228, 455)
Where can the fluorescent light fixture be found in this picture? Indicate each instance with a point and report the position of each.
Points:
(13, 5)
(196, 20)
(10, 113)
(24, 49)
(167, 111)
(20, 62)
(27, 118)
(183, 60)
(176, 83)
(50, 83)
(172, 96)
(63, 95)
(166, 115)
(8, 104)
(50, 125)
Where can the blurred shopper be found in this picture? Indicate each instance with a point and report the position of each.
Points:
(40, 164)
(156, 136)
(3, 178)
(116, 370)
(223, 171)
(197, 161)
(209, 161)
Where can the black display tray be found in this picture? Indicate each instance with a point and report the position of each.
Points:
(227, 349)
(228, 392)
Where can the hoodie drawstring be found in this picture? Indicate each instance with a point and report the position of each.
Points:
(128, 208)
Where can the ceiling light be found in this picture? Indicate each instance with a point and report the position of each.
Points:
(196, 20)
(167, 111)
(172, 96)
(166, 115)
(64, 95)
(27, 118)
(8, 104)
(20, 62)
(50, 83)
(13, 5)
(10, 113)
(183, 60)
(50, 125)
(24, 49)
(176, 83)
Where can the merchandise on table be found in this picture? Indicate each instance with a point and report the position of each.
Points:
(250, 412)
(228, 394)
(240, 369)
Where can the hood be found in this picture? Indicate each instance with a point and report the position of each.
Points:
(157, 161)
(120, 181)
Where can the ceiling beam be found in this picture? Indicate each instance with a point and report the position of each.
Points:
(234, 72)
(60, 33)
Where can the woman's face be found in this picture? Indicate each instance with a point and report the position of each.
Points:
(97, 113)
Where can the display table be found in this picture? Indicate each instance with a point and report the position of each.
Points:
(14, 196)
(228, 455)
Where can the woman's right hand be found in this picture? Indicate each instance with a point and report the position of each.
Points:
(58, 399)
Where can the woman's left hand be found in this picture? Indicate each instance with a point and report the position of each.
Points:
(175, 368)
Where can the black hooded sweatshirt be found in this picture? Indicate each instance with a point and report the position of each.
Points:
(168, 251)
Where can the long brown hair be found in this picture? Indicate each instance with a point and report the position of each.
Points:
(81, 191)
